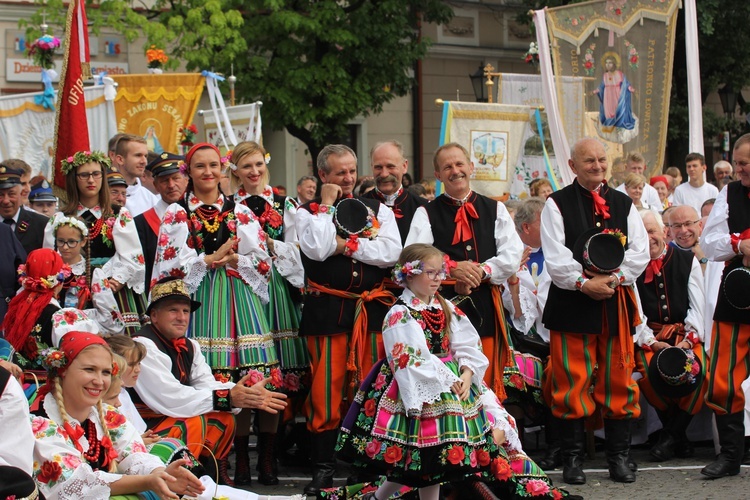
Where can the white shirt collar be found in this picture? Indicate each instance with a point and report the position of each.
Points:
(414, 302)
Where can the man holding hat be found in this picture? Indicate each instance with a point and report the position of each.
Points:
(671, 293)
(170, 183)
(41, 198)
(592, 314)
(28, 226)
(176, 393)
(726, 238)
(345, 300)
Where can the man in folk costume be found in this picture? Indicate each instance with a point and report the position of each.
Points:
(388, 169)
(477, 233)
(591, 315)
(673, 302)
(176, 393)
(170, 183)
(726, 238)
(345, 299)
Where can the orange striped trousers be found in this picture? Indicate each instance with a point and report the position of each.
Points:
(215, 430)
(331, 390)
(580, 361)
(692, 403)
(730, 366)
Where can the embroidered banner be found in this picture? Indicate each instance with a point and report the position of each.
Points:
(245, 120)
(623, 49)
(156, 106)
(27, 130)
(493, 134)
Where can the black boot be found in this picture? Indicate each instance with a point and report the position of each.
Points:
(572, 449)
(683, 448)
(324, 461)
(617, 448)
(731, 437)
(241, 461)
(224, 473)
(664, 447)
(553, 456)
(267, 468)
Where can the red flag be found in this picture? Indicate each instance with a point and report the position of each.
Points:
(71, 127)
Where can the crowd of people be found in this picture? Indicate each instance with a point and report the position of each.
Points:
(172, 306)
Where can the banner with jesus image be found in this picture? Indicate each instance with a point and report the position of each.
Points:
(623, 50)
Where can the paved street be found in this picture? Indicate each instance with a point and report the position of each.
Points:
(677, 479)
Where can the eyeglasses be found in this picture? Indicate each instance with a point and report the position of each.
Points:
(435, 274)
(67, 243)
(84, 176)
(680, 225)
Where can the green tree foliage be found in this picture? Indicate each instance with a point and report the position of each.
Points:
(315, 64)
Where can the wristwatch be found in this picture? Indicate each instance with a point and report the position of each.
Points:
(703, 260)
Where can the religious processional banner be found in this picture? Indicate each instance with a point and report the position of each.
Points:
(156, 106)
(493, 134)
(623, 49)
(526, 89)
(27, 129)
(244, 120)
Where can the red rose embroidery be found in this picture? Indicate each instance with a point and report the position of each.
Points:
(314, 207)
(369, 407)
(170, 253)
(176, 272)
(31, 348)
(291, 382)
(221, 377)
(517, 381)
(501, 469)
(222, 393)
(372, 448)
(70, 317)
(403, 360)
(276, 378)
(140, 259)
(50, 471)
(181, 216)
(263, 267)
(393, 454)
(483, 457)
(114, 419)
(456, 455)
(243, 218)
(398, 348)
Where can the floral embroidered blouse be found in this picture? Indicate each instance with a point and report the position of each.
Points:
(105, 310)
(176, 255)
(421, 375)
(60, 470)
(116, 239)
(278, 221)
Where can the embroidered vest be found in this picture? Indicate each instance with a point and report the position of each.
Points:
(665, 299)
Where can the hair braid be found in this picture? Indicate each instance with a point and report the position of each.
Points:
(58, 394)
(447, 311)
(103, 422)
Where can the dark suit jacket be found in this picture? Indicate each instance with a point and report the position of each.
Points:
(30, 229)
(13, 256)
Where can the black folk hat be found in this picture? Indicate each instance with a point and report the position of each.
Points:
(600, 251)
(352, 217)
(675, 372)
(737, 287)
(15, 483)
(170, 288)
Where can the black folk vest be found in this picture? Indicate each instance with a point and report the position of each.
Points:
(738, 221)
(665, 299)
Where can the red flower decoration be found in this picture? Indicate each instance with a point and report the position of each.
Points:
(243, 218)
(403, 360)
(222, 393)
(501, 469)
(181, 216)
(176, 273)
(30, 348)
(372, 448)
(263, 267)
(314, 207)
(456, 455)
(50, 471)
(393, 454)
(170, 253)
(483, 457)
(70, 317)
(370, 407)
(114, 419)
(221, 377)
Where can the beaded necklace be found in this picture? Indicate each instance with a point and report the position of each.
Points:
(210, 217)
(95, 446)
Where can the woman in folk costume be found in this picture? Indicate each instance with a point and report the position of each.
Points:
(275, 213)
(113, 243)
(86, 449)
(86, 287)
(218, 247)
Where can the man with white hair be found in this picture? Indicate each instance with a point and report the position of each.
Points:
(722, 169)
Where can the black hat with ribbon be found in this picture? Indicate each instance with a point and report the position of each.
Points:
(170, 288)
(353, 217)
(17, 484)
(736, 287)
(675, 372)
(600, 251)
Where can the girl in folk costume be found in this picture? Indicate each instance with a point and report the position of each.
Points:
(84, 448)
(249, 172)
(113, 243)
(85, 287)
(219, 249)
(418, 416)
(28, 325)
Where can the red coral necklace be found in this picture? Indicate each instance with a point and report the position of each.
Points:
(435, 321)
(95, 446)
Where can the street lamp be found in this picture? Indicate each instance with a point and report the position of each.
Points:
(728, 98)
(477, 81)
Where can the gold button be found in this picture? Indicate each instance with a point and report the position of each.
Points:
(355, 274)
(468, 248)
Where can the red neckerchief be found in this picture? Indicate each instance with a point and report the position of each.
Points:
(180, 344)
(381, 198)
(600, 205)
(654, 267)
(463, 230)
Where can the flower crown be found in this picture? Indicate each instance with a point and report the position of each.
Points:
(49, 282)
(82, 157)
(62, 220)
(402, 271)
